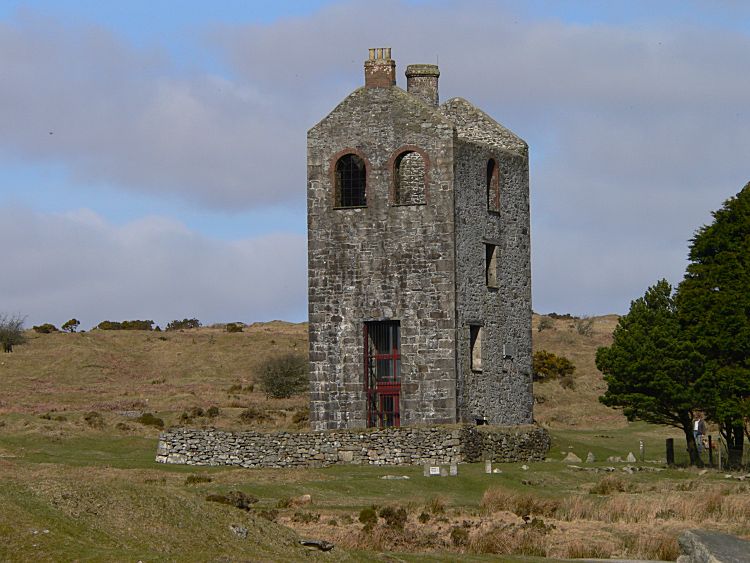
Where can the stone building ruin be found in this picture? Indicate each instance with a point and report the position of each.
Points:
(419, 259)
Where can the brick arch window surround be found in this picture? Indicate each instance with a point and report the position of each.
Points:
(350, 181)
(409, 171)
(493, 186)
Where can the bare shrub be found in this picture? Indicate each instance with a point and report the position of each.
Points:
(584, 325)
(11, 331)
(284, 376)
(545, 323)
(660, 547)
(525, 504)
(608, 485)
(436, 505)
(511, 540)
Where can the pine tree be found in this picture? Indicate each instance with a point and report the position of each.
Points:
(714, 307)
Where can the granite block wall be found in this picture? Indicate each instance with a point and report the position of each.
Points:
(390, 446)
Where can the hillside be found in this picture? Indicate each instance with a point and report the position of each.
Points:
(170, 373)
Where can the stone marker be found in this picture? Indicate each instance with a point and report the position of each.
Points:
(630, 458)
(454, 470)
(590, 458)
(488, 466)
(443, 471)
(572, 458)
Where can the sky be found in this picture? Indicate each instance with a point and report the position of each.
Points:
(152, 153)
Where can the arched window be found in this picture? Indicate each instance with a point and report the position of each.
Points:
(351, 180)
(409, 179)
(493, 186)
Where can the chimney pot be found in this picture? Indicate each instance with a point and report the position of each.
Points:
(380, 69)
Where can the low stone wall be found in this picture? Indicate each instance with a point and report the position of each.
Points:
(390, 446)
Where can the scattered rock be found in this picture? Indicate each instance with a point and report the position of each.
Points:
(614, 459)
(700, 546)
(525, 467)
(497, 470)
(630, 458)
(702, 471)
(628, 469)
(590, 458)
(239, 531)
(394, 477)
(571, 458)
(322, 545)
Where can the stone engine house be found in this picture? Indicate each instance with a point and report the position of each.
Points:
(418, 256)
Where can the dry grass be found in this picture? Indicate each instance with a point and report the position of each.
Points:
(560, 407)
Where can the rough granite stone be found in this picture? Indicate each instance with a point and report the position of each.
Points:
(419, 258)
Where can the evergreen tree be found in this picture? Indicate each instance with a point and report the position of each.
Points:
(651, 366)
(714, 307)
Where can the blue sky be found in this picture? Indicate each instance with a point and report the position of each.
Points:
(152, 153)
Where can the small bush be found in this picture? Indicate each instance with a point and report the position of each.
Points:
(213, 411)
(305, 517)
(126, 325)
(238, 499)
(238, 388)
(584, 325)
(45, 328)
(286, 502)
(545, 323)
(546, 365)
(184, 324)
(284, 376)
(71, 325)
(94, 419)
(424, 517)
(148, 419)
(234, 327)
(436, 505)
(395, 517)
(459, 536)
(11, 331)
(251, 415)
(368, 516)
(608, 485)
(196, 478)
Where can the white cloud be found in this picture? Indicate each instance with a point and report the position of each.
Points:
(636, 131)
(78, 265)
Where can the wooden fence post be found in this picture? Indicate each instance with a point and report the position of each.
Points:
(670, 452)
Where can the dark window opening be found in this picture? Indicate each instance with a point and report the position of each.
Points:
(475, 345)
(382, 341)
(490, 265)
(409, 179)
(493, 186)
(351, 179)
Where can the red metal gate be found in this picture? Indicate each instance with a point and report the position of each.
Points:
(382, 341)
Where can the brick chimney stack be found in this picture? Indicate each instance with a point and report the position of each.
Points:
(380, 69)
(422, 81)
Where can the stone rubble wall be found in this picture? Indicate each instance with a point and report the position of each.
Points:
(391, 446)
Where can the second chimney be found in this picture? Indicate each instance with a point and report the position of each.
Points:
(422, 81)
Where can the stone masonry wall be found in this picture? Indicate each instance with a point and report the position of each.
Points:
(382, 261)
(392, 446)
(501, 392)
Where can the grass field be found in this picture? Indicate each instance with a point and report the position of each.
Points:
(77, 487)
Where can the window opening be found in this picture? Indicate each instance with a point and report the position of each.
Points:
(475, 343)
(409, 179)
(490, 265)
(382, 340)
(493, 186)
(351, 178)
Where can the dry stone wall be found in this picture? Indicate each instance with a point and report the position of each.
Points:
(391, 446)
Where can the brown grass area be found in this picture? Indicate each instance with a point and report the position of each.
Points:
(147, 371)
(635, 526)
(558, 407)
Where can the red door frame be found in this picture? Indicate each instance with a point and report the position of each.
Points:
(378, 388)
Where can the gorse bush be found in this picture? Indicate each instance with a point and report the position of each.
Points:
(233, 327)
(547, 365)
(45, 328)
(183, 324)
(149, 419)
(284, 376)
(126, 325)
(71, 325)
